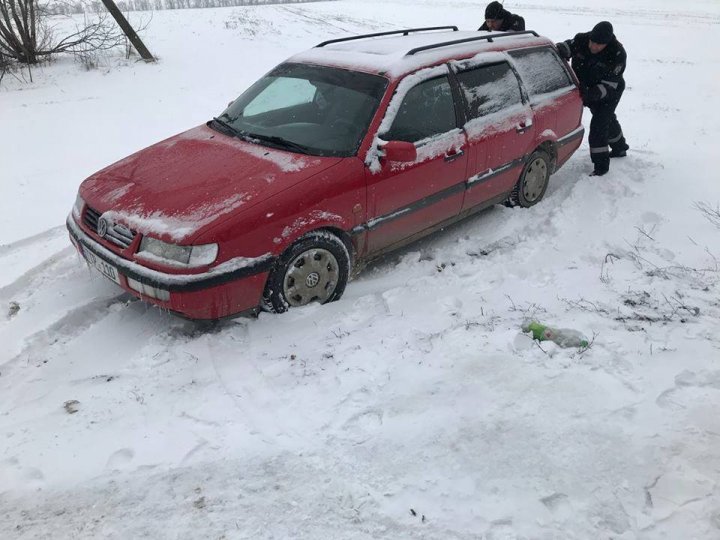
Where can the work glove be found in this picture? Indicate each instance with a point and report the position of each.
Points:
(563, 50)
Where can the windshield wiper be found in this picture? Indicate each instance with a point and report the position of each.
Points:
(279, 141)
(273, 139)
(227, 127)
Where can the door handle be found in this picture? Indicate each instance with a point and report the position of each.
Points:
(454, 156)
(522, 128)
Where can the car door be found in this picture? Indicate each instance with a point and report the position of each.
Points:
(499, 129)
(556, 106)
(405, 198)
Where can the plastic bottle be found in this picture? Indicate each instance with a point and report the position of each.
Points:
(565, 337)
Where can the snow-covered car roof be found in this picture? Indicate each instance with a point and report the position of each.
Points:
(388, 55)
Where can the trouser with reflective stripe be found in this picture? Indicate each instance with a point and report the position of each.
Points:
(605, 132)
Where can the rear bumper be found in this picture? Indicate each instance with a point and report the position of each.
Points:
(213, 294)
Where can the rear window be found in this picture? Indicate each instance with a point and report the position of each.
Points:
(489, 89)
(541, 70)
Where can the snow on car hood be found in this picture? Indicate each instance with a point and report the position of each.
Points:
(178, 186)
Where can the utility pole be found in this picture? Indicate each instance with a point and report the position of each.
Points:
(128, 30)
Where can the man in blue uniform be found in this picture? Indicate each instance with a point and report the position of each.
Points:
(598, 60)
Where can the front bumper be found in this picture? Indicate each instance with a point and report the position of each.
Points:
(213, 294)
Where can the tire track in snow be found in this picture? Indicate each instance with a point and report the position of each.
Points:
(242, 391)
(72, 324)
(28, 281)
(28, 257)
(6, 249)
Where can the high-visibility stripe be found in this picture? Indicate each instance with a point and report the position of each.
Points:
(613, 85)
(616, 139)
(599, 149)
(603, 91)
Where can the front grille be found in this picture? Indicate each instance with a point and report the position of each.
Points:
(91, 218)
(116, 233)
(120, 235)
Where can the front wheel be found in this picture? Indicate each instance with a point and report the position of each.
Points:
(313, 269)
(533, 181)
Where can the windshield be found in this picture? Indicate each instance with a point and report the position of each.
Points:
(316, 110)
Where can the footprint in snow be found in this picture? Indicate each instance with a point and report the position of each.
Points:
(120, 459)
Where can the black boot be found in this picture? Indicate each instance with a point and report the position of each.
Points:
(619, 150)
(601, 163)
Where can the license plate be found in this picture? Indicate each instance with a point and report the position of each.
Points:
(107, 270)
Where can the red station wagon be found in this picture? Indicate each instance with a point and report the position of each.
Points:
(341, 153)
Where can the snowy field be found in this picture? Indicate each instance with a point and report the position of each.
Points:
(414, 407)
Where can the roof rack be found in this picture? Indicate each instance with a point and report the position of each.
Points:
(489, 38)
(393, 32)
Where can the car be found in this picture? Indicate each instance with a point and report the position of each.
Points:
(339, 154)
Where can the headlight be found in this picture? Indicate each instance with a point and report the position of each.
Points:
(185, 255)
(77, 207)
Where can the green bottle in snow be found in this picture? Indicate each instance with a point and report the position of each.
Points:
(565, 337)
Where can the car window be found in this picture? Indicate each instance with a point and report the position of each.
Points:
(489, 88)
(426, 110)
(282, 92)
(541, 70)
(325, 110)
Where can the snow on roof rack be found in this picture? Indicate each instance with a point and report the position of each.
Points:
(489, 38)
(392, 32)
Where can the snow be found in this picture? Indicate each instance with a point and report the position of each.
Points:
(480, 59)
(435, 146)
(285, 161)
(497, 121)
(501, 92)
(417, 390)
(402, 89)
(388, 54)
(238, 263)
(178, 226)
(547, 99)
(372, 158)
(543, 70)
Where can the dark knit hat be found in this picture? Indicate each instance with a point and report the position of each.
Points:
(494, 10)
(602, 33)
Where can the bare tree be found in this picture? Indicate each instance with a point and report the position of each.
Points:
(26, 37)
(4, 66)
(18, 29)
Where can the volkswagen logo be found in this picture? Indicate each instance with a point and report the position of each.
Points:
(312, 280)
(102, 227)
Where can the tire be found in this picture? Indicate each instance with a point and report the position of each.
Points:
(533, 181)
(313, 269)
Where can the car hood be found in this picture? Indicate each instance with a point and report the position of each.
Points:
(177, 187)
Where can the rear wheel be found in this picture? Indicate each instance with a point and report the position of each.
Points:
(533, 181)
(313, 269)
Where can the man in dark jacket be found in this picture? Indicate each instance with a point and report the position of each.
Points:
(598, 60)
(498, 19)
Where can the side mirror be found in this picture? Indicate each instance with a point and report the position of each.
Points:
(399, 151)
